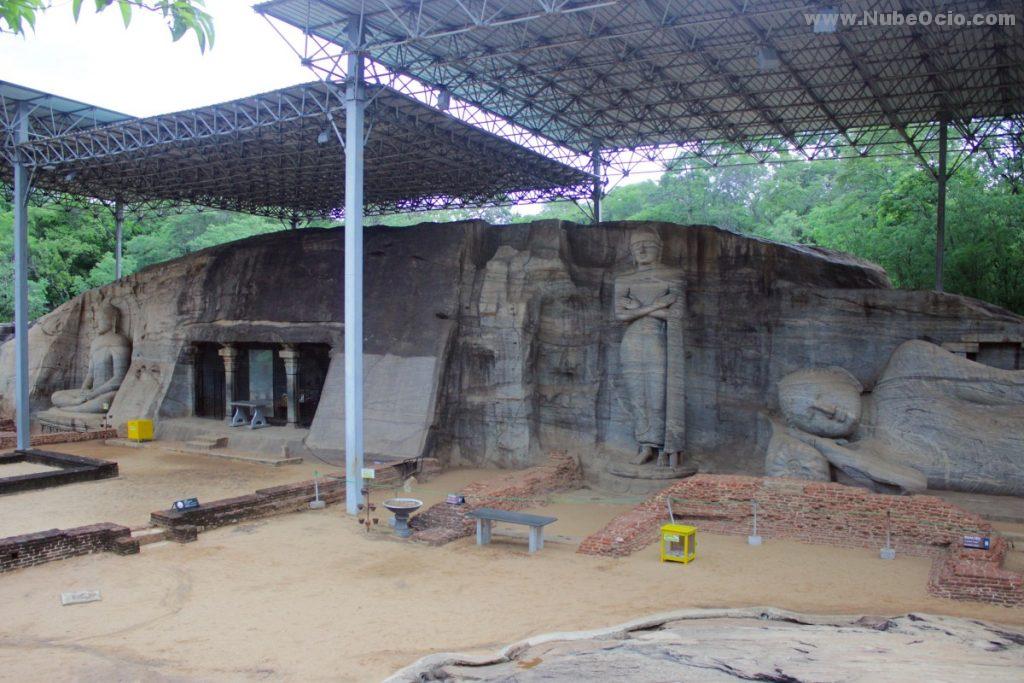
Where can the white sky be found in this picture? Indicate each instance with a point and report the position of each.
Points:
(140, 71)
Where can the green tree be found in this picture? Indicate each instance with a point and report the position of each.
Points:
(37, 303)
(181, 16)
(72, 249)
(881, 209)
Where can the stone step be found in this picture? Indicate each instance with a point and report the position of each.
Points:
(150, 534)
(257, 459)
(208, 442)
(125, 443)
(231, 454)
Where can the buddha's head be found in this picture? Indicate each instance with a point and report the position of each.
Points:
(645, 246)
(821, 401)
(107, 318)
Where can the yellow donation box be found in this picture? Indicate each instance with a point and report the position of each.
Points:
(678, 543)
(140, 430)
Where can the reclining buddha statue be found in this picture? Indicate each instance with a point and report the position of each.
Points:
(933, 420)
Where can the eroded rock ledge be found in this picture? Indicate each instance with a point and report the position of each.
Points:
(755, 644)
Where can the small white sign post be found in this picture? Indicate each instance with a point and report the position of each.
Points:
(754, 539)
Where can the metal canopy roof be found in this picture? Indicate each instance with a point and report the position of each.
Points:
(623, 74)
(49, 114)
(279, 154)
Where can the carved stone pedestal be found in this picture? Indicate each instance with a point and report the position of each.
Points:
(622, 477)
(57, 420)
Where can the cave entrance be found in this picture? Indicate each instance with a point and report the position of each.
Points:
(260, 373)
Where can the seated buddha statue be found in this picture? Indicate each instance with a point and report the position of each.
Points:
(110, 355)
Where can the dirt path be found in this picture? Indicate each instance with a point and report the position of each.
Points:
(311, 596)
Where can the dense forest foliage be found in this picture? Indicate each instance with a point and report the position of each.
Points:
(881, 209)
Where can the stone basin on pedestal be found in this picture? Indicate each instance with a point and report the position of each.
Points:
(403, 507)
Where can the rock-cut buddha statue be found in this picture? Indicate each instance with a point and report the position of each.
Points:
(110, 355)
(650, 301)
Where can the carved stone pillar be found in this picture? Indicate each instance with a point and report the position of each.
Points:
(228, 353)
(188, 359)
(290, 355)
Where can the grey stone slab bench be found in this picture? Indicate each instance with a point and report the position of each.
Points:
(255, 418)
(486, 516)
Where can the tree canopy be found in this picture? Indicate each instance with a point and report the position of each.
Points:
(881, 209)
(181, 16)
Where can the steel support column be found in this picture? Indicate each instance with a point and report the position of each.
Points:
(940, 208)
(355, 108)
(595, 161)
(118, 236)
(21, 390)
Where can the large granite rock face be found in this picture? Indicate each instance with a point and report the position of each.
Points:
(279, 288)
(934, 419)
(493, 345)
(958, 422)
(749, 645)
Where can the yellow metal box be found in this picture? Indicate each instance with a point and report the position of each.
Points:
(140, 430)
(678, 543)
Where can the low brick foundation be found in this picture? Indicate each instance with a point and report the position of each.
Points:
(9, 438)
(814, 512)
(517, 490)
(263, 503)
(966, 574)
(70, 469)
(183, 525)
(28, 550)
(826, 514)
(276, 500)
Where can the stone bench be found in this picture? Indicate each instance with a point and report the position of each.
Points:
(249, 412)
(486, 516)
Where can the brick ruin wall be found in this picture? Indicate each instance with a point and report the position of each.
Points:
(183, 525)
(41, 547)
(9, 438)
(518, 490)
(966, 574)
(267, 502)
(826, 514)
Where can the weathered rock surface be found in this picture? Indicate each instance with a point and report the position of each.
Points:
(822, 401)
(279, 288)
(498, 344)
(790, 457)
(958, 422)
(752, 645)
(935, 419)
(822, 407)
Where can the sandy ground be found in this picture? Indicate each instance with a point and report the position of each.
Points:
(150, 478)
(18, 469)
(312, 596)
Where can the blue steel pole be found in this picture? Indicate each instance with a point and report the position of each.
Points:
(118, 237)
(21, 391)
(355, 106)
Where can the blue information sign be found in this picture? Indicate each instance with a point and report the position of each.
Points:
(977, 542)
